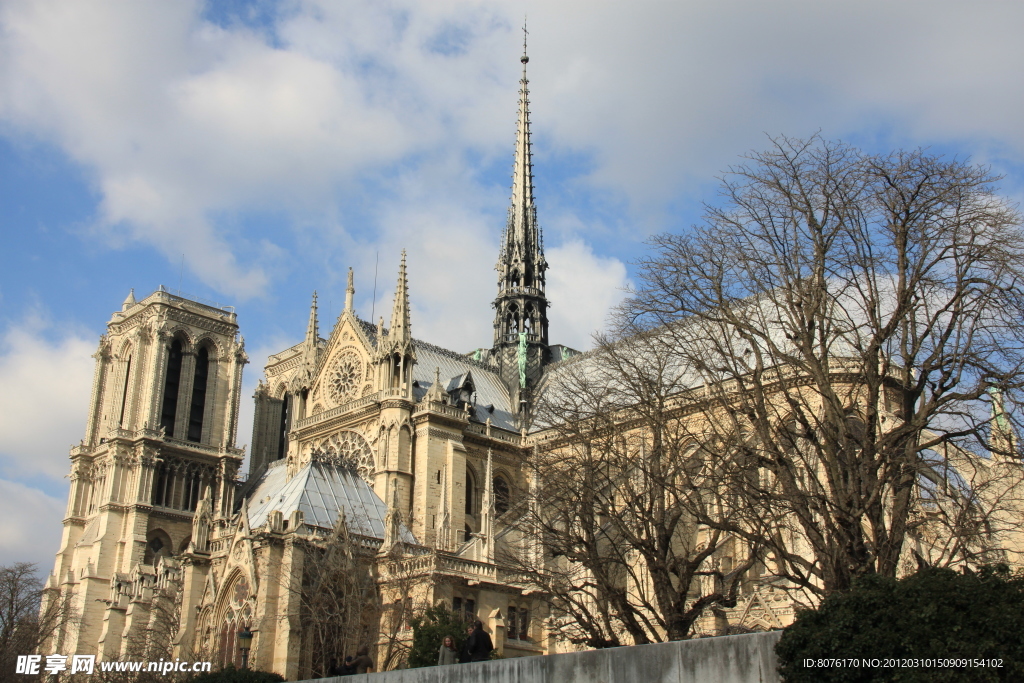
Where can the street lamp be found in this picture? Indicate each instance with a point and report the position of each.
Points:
(244, 643)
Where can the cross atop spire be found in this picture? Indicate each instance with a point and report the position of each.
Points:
(524, 59)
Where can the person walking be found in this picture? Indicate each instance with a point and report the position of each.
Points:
(447, 654)
(478, 645)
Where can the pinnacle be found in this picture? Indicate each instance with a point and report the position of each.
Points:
(399, 329)
(313, 327)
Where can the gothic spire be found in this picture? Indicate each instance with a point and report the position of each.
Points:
(313, 326)
(311, 345)
(521, 259)
(399, 329)
(521, 322)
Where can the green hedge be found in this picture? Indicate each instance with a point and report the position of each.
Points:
(935, 614)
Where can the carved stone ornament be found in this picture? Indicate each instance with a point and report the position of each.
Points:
(346, 449)
(346, 377)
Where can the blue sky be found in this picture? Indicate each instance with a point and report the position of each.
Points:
(250, 152)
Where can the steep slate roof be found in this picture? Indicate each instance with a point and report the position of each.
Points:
(320, 490)
(490, 388)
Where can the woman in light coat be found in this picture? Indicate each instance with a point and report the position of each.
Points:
(447, 654)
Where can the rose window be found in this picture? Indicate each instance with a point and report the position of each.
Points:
(346, 377)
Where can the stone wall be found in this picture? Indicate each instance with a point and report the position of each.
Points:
(727, 659)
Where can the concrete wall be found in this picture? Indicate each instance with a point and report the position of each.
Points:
(727, 659)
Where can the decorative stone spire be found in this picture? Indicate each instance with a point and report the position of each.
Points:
(521, 321)
(350, 292)
(400, 328)
(396, 355)
(521, 259)
(436, 391)
(313, 326)
(129, 300)
(310, 348)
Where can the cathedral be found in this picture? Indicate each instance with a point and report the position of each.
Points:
(416, 449)
(416, 456)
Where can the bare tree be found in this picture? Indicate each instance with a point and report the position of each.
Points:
(23, 626)
(623, 491)
(401, 587)
(339, 603)
(849, 315)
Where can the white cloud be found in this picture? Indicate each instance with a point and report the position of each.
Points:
(582, 287)
(32, 527)
(184, 124)
(45, 398)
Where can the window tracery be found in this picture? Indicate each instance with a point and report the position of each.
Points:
(347, 449)
(346, 377)
(237, 617)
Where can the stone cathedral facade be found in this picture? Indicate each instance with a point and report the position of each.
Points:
(418, 448)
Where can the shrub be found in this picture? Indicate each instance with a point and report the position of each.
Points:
(428, 632)
(932, 614)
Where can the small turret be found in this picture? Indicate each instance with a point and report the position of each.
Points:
(129, 300)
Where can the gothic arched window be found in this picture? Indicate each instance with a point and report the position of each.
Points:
(237, 617)
(502, 495)
(179, 484)
(124, 390)
(198, 407)
(169, 412)
(282, 428)
(470, 488)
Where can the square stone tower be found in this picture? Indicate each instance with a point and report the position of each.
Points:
(159, 439)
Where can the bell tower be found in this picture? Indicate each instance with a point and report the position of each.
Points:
(521, 307)
(160, 438)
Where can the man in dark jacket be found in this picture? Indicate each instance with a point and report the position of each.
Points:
(478, 645)
(464, 656)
